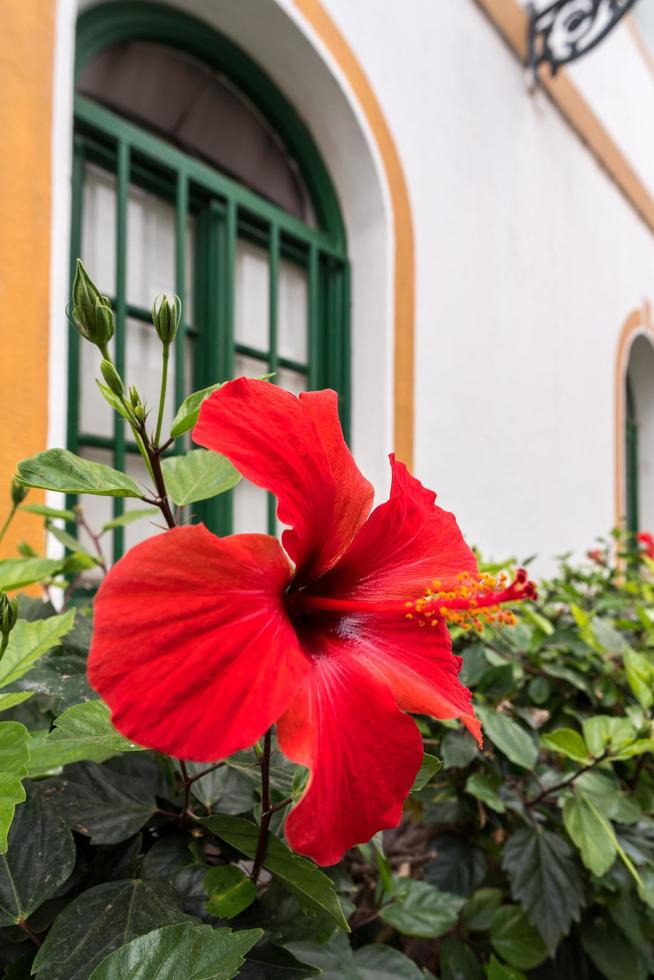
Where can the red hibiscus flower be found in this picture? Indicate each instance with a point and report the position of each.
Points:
(647, 540)
(202, 643)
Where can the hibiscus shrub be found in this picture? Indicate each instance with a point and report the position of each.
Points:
(247, 704)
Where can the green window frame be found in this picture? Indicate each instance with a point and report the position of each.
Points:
(224, 212)
(631, 461)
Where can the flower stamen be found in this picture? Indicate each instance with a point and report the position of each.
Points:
(474, 602)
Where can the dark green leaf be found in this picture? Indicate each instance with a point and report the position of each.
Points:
(59, 469)
(40, 858)
(379, 962)
(229, 891)
(484, 788)
(106, 806)
(271, 962)
(334, 958)
(310, 885)
(591, 833)
(545, 878)
(458, 867)
(515, 939)
(457, 961)
(458, 750)
(198, 475)
(100, 920)
(429, 766)
(420, 909)
(83, 732)
(480, 908)
(509, 737)
(612, 953)
(14, 761)
(179, 951)
(16, 573)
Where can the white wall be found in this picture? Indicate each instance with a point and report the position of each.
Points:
(528, 262)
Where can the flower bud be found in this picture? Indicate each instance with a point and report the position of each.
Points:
(8, 613)
(166, 315)
(111, 376)
(133, 396)
(92, 315)
(139, 412)
(18, 492)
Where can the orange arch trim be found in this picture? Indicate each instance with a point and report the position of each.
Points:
(404, 268)
(638, 322)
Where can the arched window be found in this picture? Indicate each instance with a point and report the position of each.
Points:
(639, 436)
(193, 174)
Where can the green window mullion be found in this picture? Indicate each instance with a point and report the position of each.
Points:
(313, 313)
(631, 460)
(273, 306)
(122, 190)
(181, 217)
(72, 433)
(343, 329)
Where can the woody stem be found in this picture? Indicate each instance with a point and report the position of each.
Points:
(266, 809)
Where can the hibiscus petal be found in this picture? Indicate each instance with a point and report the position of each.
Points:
(416, 662)
(363, 753)
(192, 648)
(404, 545)
(293, 447)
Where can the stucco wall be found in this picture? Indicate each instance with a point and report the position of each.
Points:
(528, 261)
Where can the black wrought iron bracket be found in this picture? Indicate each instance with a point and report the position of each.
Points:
(566, 29)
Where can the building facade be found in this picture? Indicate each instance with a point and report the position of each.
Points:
(371, 196)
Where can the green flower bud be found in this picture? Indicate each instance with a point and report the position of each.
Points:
(134, 396)
(18, 492)
(8, 613)
(92, 315)
(139, 412)
(166, 316)
(111, 376)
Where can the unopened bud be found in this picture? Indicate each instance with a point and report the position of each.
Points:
(139, 412)
(166, 315)
(111, 376)
(18, 492)
(134, 396)
(8, 613)
(92, 315)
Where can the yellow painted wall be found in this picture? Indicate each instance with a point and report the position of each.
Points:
(26, 61)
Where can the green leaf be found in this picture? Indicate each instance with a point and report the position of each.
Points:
(480, 908)
(14, 759)
(82, 733)
(498, 971)
(179, 951)
(59, 469)
(379, 962)
(595, 837)
(16, 573)
(112, 400)
(568, 742)
(545, 879)
(509, 737)
(429, 766)
(457, 961)
(40, 858)
(68, 541)
(30, 640)
(229, 891)
(107, 806)
(311, 887)
(53, 512)
(100, 920)
(515, 940)
(272, 962)
(11, 700)
(189, 411)
(198, 475)
(484, 789)
(420, 909)
(129, 517)
(335, 957)
(607, 733)
(640, 676)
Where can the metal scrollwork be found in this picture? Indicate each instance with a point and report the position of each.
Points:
(566, 29)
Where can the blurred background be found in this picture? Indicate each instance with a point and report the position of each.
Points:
(393, 199)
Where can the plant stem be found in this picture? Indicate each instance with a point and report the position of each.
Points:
(566, 782)
(151, 455)
(187, 784)
(266, 811)
(95, 538)
(22, 924)
(205, 772)
(162, 394)
(10, 518)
